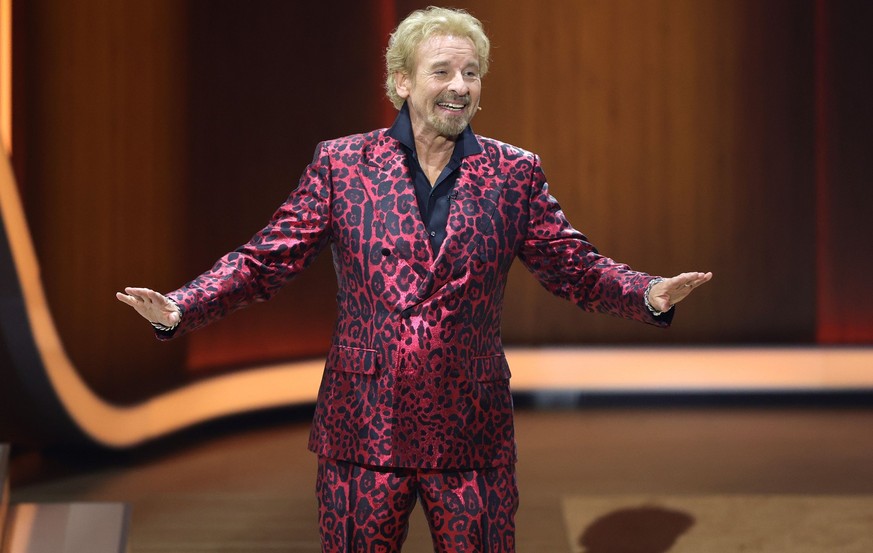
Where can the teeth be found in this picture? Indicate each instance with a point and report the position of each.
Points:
(452, 106)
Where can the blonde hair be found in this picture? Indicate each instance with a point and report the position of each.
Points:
(420, 26)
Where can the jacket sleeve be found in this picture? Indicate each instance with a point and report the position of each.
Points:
(567, 265)
(297, 232)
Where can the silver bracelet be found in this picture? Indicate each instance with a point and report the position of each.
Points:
(165, 328)
(651, 309)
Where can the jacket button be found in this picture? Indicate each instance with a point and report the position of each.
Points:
(386, 252)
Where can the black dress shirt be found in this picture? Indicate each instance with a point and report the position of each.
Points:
(433, 201)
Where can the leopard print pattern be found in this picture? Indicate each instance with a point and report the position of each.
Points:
(416, 376)
(367, 509)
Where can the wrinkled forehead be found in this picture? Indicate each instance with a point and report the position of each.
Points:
(445, 49)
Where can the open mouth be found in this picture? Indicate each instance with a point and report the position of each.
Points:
(451, 106)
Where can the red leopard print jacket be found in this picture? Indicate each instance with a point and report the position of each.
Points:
(416, 376)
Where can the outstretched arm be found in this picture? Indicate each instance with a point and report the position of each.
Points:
(668, 292)
(153, 306)
(297, 232)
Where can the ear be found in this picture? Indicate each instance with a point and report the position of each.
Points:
(402, 84)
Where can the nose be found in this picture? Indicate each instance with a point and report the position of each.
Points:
(458, 85)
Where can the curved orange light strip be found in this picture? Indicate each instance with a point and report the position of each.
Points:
(121, 426)
(6, 75)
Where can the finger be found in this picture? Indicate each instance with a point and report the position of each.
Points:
(128, 299)
(135, 290)
(137, 293)
(680, 283)
(694, 280)
(686, 287)
(148, 297)
(157, 298)
(700, 278)
(691, 279)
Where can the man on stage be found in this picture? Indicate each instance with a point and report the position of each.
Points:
(424, 220)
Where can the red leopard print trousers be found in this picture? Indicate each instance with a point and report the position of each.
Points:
(365, 509)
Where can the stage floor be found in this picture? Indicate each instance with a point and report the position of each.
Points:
(250, 489)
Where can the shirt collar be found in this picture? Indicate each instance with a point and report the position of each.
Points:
(402, 131)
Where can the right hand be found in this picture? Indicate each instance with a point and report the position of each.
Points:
(153, 306)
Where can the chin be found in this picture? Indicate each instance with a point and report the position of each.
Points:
(453, 127)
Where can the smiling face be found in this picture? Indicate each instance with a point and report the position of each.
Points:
(444, 87)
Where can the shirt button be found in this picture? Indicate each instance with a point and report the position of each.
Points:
(433, 233)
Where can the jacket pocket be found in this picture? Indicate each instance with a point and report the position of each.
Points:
(490, 368)
(351, 360)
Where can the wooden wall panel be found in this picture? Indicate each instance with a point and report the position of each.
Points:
(160, 135)
(105, 140)
(269, 81)
(677, 135)
(844, 46)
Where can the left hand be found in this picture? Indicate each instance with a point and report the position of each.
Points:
(153, 306)
(671, 291)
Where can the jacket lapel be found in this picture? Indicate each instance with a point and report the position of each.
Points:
(388, 183)
(474, 198)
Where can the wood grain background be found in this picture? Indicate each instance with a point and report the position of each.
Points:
(152, 137)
